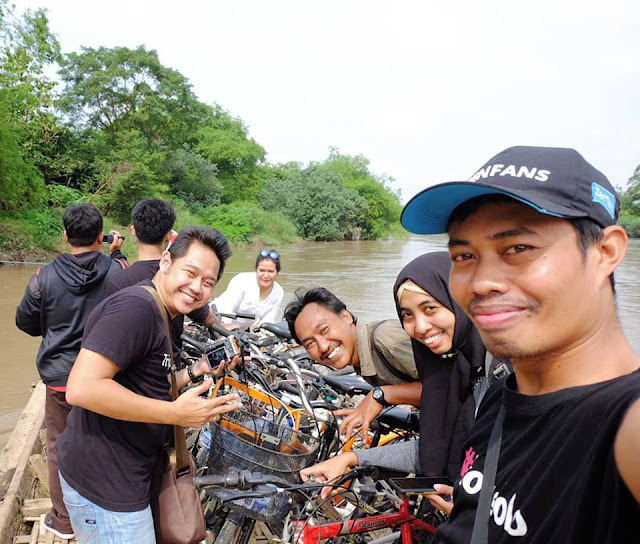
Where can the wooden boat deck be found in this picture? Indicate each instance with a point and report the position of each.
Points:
(24, 482)
(33, 513)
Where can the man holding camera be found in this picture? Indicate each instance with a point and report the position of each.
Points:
(119, 387)
(56, 304)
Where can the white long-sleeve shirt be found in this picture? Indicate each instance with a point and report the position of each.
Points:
(243, 295)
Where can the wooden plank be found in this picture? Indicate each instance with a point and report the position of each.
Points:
(49, 536)
(39, 468)
(35, 507)
(35, 532)
(23, 539)
(14, 463)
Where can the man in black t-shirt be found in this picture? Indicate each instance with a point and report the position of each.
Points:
(119, 388)
(534, 244)
(152, 222)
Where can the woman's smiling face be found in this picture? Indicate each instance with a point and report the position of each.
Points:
(427, 321)
(266, 273)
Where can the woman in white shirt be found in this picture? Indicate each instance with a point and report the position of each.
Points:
(256, 293)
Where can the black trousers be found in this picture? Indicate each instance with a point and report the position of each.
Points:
(55, 414)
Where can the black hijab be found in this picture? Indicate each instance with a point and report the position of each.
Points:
(446, 406)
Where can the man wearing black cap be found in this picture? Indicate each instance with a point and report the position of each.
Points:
(553, 455)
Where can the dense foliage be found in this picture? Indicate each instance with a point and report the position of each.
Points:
(120, 126)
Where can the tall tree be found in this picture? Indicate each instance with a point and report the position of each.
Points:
(121, 89)
(631, 197)
(318, 204)
(383, 203)
(27, 46)
(224, 140)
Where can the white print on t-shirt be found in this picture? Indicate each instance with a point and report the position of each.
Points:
(166, 362)
(502, 510)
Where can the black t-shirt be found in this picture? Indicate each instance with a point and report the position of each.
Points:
(108, 460)
(557, 480)
(143, 272)
(137, 272)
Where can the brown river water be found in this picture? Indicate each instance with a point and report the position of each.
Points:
(360, 273)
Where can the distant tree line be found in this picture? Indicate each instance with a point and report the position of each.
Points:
(630, 210)
(119, 126)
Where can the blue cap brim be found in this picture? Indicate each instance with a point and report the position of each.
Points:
(428, 212)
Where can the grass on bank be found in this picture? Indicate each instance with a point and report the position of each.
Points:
(36, 233)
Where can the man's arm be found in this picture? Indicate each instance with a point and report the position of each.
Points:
(369, 408)
(92, 387)
(204, 315)
(29, 310)
(627, 449)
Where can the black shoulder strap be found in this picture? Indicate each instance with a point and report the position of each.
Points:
(180, 444)
(481, 523)
(379, 357)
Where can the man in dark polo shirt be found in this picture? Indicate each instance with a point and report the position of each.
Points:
(119, 388)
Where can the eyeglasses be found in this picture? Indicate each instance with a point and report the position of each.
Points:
(272, 253)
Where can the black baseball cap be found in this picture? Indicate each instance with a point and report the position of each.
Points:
(554, 181)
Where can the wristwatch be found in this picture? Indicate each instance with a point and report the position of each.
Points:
(192, 376)
(378, 396)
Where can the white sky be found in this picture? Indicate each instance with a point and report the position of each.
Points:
(428, 91)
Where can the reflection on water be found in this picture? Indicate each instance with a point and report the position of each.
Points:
(361, 273)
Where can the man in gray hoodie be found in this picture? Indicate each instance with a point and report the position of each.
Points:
(55, 305)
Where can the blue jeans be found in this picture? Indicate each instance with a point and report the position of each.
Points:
(95, 525)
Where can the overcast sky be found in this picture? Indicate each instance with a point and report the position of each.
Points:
(428, 91)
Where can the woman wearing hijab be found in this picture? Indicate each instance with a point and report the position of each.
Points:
(450, 358)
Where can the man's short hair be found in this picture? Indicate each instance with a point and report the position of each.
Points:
(153, 219)
(207, 236)
(83, 224)
(319, 295)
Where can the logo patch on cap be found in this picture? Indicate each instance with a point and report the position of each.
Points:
(603, 197)
(512, 170)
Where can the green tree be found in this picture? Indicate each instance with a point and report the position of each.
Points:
(383, 203)
(26, 47)
(630, 199)
(317, 203)
(121, 89)
(224, 140)
(20, 181)
(128, 174)
(193, 178)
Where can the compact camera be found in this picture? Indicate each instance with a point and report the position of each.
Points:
(108, 238)
(222, 350)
